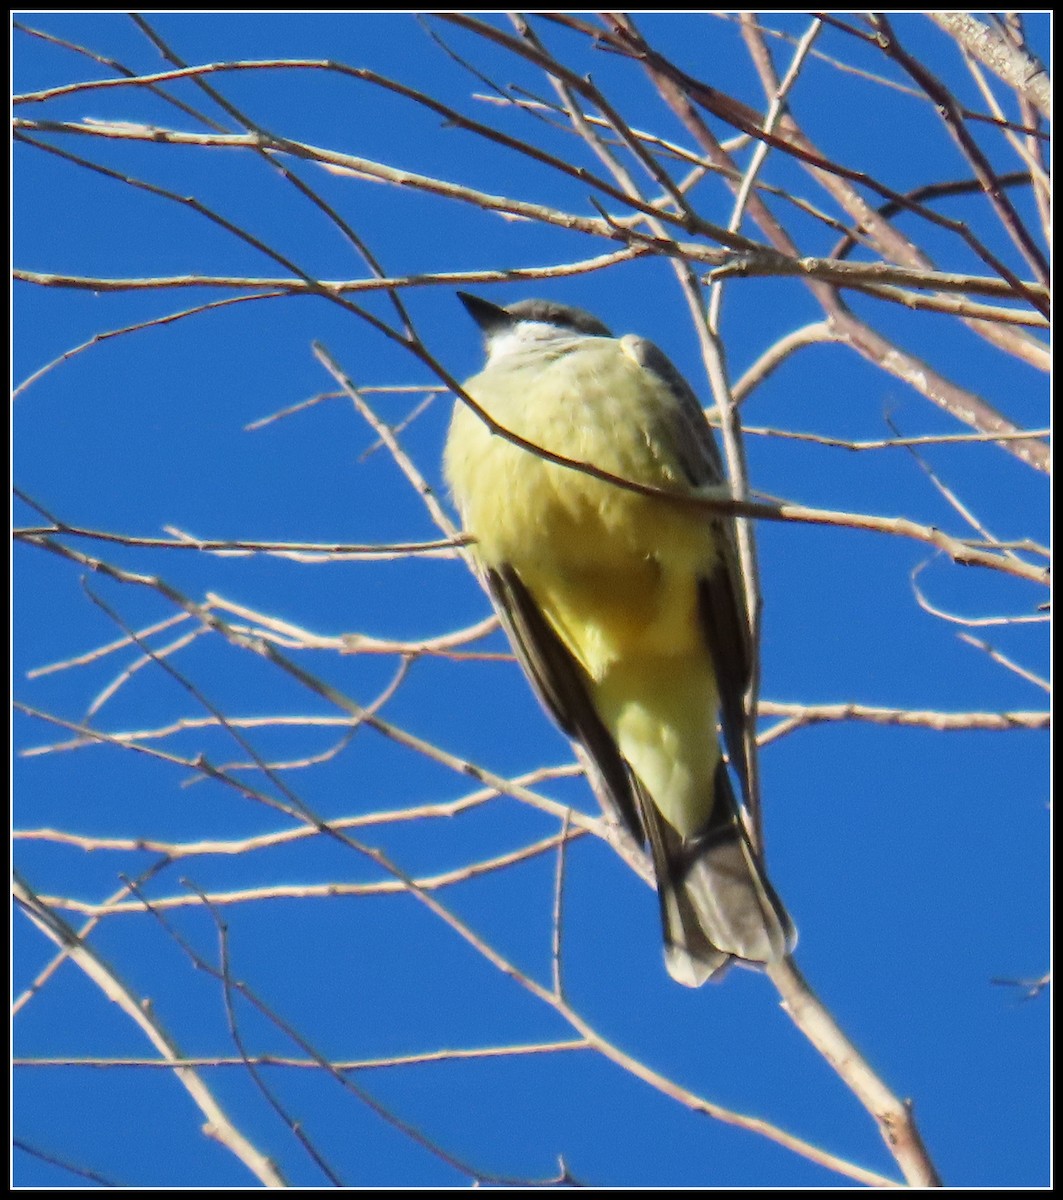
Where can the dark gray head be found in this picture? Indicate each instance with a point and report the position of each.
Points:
(494, 320)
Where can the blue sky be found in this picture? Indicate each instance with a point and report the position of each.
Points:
(914, 860)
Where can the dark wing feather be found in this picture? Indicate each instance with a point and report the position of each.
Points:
(727, 635)
(562, 686)
(710, 889)
(720, 591)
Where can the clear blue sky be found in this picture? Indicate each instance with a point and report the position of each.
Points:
(914, 861)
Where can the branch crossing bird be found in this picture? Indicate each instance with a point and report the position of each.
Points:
(625, 610)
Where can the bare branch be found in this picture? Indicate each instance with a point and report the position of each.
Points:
(1014, 64)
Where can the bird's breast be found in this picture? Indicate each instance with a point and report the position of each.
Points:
(614, 570)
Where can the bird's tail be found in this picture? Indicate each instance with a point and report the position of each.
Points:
(716, 901)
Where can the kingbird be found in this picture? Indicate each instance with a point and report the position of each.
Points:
(626, 610)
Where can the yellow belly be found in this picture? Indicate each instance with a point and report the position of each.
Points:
(615, 572)
(592, 553)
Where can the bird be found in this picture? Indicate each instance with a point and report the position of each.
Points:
(625, 609)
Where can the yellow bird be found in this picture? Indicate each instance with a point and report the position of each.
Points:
(625, 610)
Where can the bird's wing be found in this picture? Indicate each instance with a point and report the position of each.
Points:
(562, 685)
(694, 916)
(720, 590)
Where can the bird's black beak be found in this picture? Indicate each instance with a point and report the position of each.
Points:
(488, 316)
